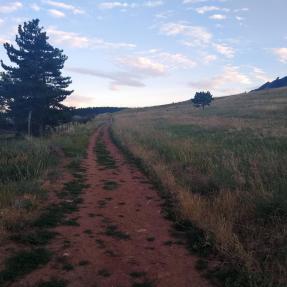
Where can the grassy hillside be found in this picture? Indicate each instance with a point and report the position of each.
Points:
(227, 167)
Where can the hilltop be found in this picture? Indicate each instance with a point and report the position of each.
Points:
(278, 83)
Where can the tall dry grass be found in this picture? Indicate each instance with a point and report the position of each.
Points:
(24, 165)
(227, 167)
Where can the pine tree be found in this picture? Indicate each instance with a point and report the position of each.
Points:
(202, 99)
(34, 87)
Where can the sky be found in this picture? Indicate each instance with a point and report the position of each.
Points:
(151, 52)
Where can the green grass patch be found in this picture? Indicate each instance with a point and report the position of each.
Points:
(137, 274)
(37, 237)
(104, 273)
(84, 263)
(23, 263)
(68, 267)
(113, 231)
(104, 157)
(110, 185)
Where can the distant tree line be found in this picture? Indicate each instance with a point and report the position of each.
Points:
(92, 111)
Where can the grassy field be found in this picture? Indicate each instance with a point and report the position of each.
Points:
(25, 164)
(227, 168)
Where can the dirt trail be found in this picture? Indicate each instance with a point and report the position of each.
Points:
(122, 238)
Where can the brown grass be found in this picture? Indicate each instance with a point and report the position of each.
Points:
(227, 167)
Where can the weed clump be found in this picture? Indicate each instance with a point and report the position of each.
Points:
(23, 263)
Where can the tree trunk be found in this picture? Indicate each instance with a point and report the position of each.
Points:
(29, 123)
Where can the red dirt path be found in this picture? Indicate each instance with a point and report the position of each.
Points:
(135, 207)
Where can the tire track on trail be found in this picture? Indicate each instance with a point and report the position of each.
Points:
(121, 238)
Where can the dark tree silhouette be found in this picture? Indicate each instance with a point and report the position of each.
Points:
(202, 99)
(33, 88)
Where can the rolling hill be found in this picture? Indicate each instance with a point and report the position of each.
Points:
(278, 83)
(226, 167)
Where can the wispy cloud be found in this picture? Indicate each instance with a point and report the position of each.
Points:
(230, 75)
(56, 13)
(10, 7)
(65, 6)
(239, 18)
(281, 53)
(153, 3)
(126, 5)
(113, 5)
(3, 40)
(117, 79)
(194, 1)
(196, 35)
(259, 74)
(176, 60)
(76, 40)
(218, 17)
(209, 58)
(206, 9)
(224, 50)
(241, 10)
(136, 69)
(143, 65)
(35, 7)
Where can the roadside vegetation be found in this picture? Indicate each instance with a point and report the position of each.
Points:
(226, 167)
(24, 165)
(26, 218)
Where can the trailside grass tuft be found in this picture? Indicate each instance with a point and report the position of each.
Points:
(23, 263)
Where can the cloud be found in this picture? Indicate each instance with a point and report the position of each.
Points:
(230, 75)
(117, 78)
(224, 50)
(3, 41)
(259, 74)
(217, 17)
(176, 61)
(207, 59)
(193, 1)
(126, 5)
(239, 18)
(205, 9)
(65, 6)
(35, 7)
(10, 7)
(241, 10)
(56, 13)
(201, 1)
(153, 4)
(113, 5)
(143, 65)
(281, 53)
(157, 63)
(164, 14)
(197, 35)
(76, 40)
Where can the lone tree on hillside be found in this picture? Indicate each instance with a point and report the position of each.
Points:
(33, 88)
(202, 99)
